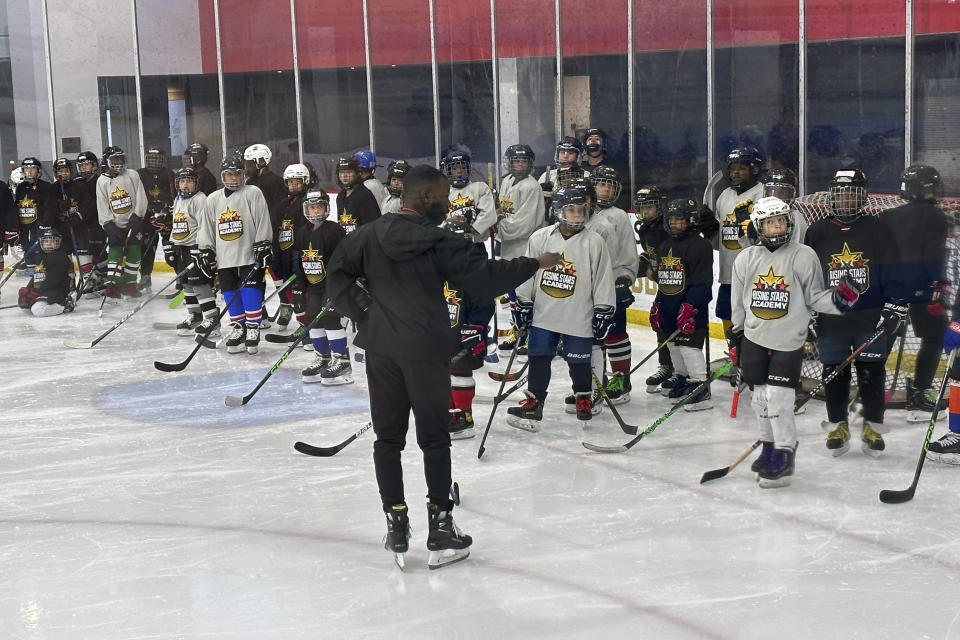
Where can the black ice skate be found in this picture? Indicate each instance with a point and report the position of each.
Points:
(284, 314)
(236, 338)
(312, 373)
(778, 469)
(838, 437)
(397, 539)
(675, 380)
(766, 448)
(252, 339)
(655, 381)
(528, 415)
(921, 403)
(338, 371)
(618, 388)
(461, 425)
(872, 442)
(446, 543)
(584, 406)
(202, 328)
(188, 327)
(946, 449)
(701, 399)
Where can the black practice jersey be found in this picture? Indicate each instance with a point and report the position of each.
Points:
(684, 273)
(358, 208)
(36, 203)
(206, 182)
(313, 247)
(286, 217)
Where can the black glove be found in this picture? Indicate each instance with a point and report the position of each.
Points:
(602, 321)
(893, 317)
(547, 187)
(206, 261)
(134, 223)
(170, 255)
(846, 294)
(623, 292)
(263, 252)
(299, 298)
(707, 222)
(523, 315)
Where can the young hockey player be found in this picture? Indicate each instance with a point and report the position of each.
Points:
(256, 164)
(566, 157)
(919, 230)
(121, 206)
(90, 237)
(313, 246)
(67, 213)
(684, 280)
(158, 184)
(286, 217)
(368, 167)
(235, 234)
(48, 292)
(36, 204)
(649, 203)
(850, 243)
(573, 302)
(195, 157)
(355, 204)
(472, 204)
(189, 210)
(743, 171)
(613, 225)
(776, 286)
(594, 149)
(395, 172)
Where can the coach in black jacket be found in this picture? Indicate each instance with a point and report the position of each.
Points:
(405, 259)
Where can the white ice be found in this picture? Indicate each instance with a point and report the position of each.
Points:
(135, 505)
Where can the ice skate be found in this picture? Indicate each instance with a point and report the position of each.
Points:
(946, 449)
(146, 283)
(188, 327)
(671, 383)
(872, 442)
(252, 340)
(207, 323)
(766, 447)
(921, 403)
(528, 415)
(570, 403)
(112, 291)
(312, 373)
(461, 425)
(338, 371)
(236, 338)
(679, 388)
(584, 406)
(701, 400)
(618, 388)
(446, 542)
(284, 314)
(397, 539)
(655, 381)
(131, 291)
(778, 469)
(838, 437)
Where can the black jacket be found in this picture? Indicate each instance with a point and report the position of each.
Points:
(405, 260)
(9, 220)
(920, 231)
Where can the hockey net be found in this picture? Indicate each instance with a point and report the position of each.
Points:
(815, 206)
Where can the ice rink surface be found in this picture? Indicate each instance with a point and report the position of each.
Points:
(135, 505)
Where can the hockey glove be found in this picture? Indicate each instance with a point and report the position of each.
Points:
(160, 221)
(734, 340)
(846, 294)
(263, 252)
(206, 261)
(742, 214)
(73, 217)
(298, 298)
(622, 291)
(170, 255)
(133, 225)
(11, 238)
(471, 339)
(547, 187)
(28, 295)
(707, 222)
(685, 319)
(892, 317)
(522, 314)
(935, 306)
(655, 317)
(602, 321)
(951, 336)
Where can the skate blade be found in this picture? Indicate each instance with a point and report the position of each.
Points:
(916, 417)
(570, 408)
(310, 379)
(440, 559)
(463, 435)
(398, 558)
(523, 424)
(237, 349)
(624, 399)
(945, 458)
(654, 388)
(765, 483)
(873, 453)
(253, 350)
(839, 451)
(700, 406)
(335, 382)
(799, 412)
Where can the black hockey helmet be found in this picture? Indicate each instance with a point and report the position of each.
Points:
(186, 173)
(749, 156)
(313, 180)
(87, 157)
(570, 144)
(312, 199)
(50, 239)
(113, 161)
(583, 183)
(848, 194)
(455, 164)
(571, 208)
(232, 164)
(63, 163)
(196, 155)
(30, 161)
(155, 159)
(920, 182)
(593, 147)
(781, 183)
(396, 169)
(647, 196)
(681, 208)
(518, 153)
(348, 163)
(607, 176)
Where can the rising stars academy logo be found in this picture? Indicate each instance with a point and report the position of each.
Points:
(671, 276)
(120, 201)
(285, 235)
(770, 297)
(851, 263)
(559, 281)
(463, 205)
(27, 209)
(347, 222)
(230, 225)
(312, 262)
(453, 304)
(179, 227)
(507, 206)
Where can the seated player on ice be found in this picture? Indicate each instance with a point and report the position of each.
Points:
(48, 292)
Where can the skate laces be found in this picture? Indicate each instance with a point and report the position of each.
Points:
(949, 439)
(584, 403)
(615, 383)
(237, 330)
(529, 401)
(869, 434)
(842, 432)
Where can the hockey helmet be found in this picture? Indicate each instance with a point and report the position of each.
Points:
(312, 180)
(571, 208)
(594, 140)
(848, 194)
(518, 160)
(396, 170)
(455, 164)
(316, 206)
(87, 162)
(50, 239)
(155, 159)
(920, 182)
(348, 164)
(31, 169)
(63, 164)
(772, 220)
(232, 167)
(606, 183)
(258, 153)
(186, 181)
(367, 160)
(683, 209)
(648, 202)
(570, 146)
(567, 175)
(781, 183)
(749, 156)
(113, 161)
(297, 178)
(196, 155)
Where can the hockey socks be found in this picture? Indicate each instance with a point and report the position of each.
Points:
(954, 407)
(462, 390)
(618, 352)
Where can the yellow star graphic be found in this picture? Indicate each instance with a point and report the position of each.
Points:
(118, 193)
(154, 193)
(770, 281)
(450, 294)
(668, 261)
(26, 202)
(310, 254)
(506, 204)
(565, 265)
(460, 201)
(848, 257)
(229, 214)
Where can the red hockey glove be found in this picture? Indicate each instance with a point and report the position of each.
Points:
(685, 319)
(655, 317)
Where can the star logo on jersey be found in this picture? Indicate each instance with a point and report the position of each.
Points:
(849, 263)
(460, 202)
(507, 206)
(179, 227)
(229, 225)
(559, 281)
(39, 274)
(770, 296)
(120, 201)
(453, 304)
(27, 210)
(347, 221)
(285, 234)
(312, 262)
(154, 193)
(671, 276)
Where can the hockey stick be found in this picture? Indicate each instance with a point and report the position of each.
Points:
(628, 429)
(896, 371)
(624, 447)
(73, 344)
(13, 270)
(499, 397)
(326, 452)
(655, 351)
(493, 357)
(890, 496)
(9, 306)
(177, 299)
(234, 401)
(180, 366)
(741, 385)
(716, 474)
(498, 377)
(708, 191)
(833, 374)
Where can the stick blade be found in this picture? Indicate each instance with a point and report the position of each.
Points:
(598, 449)
(76, 344)
(322, 452)
(163, 366)
(234, 401)
(716, 474)
(890, 496)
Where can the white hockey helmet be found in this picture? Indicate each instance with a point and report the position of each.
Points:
(259, 153)
(765, 211)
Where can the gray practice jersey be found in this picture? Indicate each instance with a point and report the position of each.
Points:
(774, 293)
(379, 191)
(119, 198)
(391, 205)
(565, 295)
(233, 224)
(729, 241)
(475, 203)
(615, 228)
(188, 214)
(522, 205)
